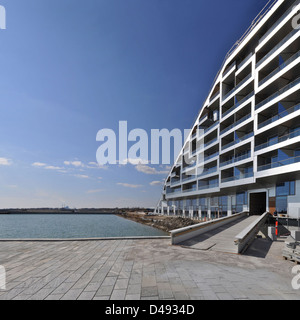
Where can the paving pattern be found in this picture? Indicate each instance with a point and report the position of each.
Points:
(140, 270)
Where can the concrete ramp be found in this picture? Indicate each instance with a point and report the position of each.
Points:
(222, 238)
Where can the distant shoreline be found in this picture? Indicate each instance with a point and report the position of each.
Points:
(61, 211)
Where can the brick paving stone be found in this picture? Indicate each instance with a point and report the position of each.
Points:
(140, 269)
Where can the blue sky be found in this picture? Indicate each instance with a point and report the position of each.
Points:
(71, 68)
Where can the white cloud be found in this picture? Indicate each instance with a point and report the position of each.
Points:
(74, 163)
(81, 176)
(39, 164)
(127, 185)
(5, 162)
(149, 170)
(53, 168)
(95, 165)
(156, 183)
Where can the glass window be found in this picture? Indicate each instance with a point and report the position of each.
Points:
(292, 188)
(194, 202)
(214, 201)
(202, 202)
(282, 189)
(285, 188)
(240, 198)
(281, 204)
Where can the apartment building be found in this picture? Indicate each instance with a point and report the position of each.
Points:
(245, 142)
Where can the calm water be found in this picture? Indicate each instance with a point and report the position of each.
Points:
(30, 226)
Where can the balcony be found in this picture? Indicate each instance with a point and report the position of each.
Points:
(279, 116)
(247, 155)
(280, 68)
(251, 94)
(208, 157)
(280, 44)
(229, 69)
(188, 167)
(279, 164)
(278, 93)
(242, 63)
(239, 177)
(237, 87)
(277, 23)
(213, 97)
(245, 137)
(207, 171)
(209, 186)
(173, 191)
(277, 140)
(248, 116)
(193, 189)
(188, 178)
(211, 127)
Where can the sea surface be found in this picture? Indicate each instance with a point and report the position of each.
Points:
(51, 226)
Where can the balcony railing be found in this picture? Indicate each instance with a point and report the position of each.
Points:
(282, 42)
(247, 155)
(210, 142)
(279, 164)
(239, 177)
(230, 68)
(214, 96)
(245, 137)
(208, 171)
(238, 104)
(279, 116)
(281, 67)
(276, 24)
(212, 126)
(236, 123)
(241, 64)
(211, 156)
(210, 186)
(186, 179)
(278, 93)
(173, 191)
(190, 189)
(238, 86)
(277, 140)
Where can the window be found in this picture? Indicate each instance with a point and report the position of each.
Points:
(281, 204)
(223, 201)
(214, 202)
(292, 188)
(285, 188)
(241, 200)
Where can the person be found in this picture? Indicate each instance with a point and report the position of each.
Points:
(275, 213)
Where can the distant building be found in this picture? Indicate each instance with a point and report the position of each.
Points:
(250, 156)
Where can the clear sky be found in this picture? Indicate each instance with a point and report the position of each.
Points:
(70, 68)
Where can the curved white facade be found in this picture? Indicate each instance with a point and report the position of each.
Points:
(246, 138)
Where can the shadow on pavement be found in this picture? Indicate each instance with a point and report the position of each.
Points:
(259, 248)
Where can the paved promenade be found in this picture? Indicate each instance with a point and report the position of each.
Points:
(141, 269)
